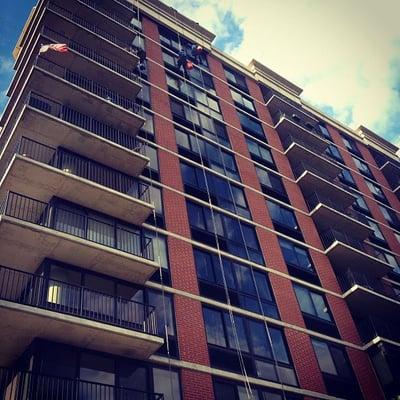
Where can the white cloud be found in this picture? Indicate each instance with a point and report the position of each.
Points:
(6, 65)
(341, 53)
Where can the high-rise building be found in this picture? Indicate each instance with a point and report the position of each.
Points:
(176, 225)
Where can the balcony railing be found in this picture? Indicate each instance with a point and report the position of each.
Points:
(330, 236)
(302, 166)
(84, 121)
(23, 385)
(314, 129)
(289, 139)
(89, 26)
(77, 165)
(115, 17)
(317, 198)
(89, 85)
(50, 294)
(67, 219)
(372, 327)
(89, 53)
(352, 278)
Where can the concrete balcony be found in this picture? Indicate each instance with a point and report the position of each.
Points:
(118, 23)
(44, 172)
(35, 306)
(311, 180)
(80, 29)
(297, 149)
(93, 99)
(374, 330)
(58, 125)
(277, 105)
(346, 252)
(367, 295)
(327, 213)
(293, 126)
(31, 230)
(79, 58)
(391, 170)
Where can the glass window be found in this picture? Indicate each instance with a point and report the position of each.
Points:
(271, 184)
(324, 357)
(324, 130)
(251, 125)
(376, 191)
(214, 327)
(360, 203)
(243, 101)
(166, 382)
(312, 303)
(236, 332)
(347, 178)
(260, 153)
(332, 151)
(259, 339)
(236, 79)
(295, 255)
(332, 359)
(223, 193)
(148, 126)
(156, 300)
(390, 216)
(363, 167)
(282, 216)
(350, 145)
(241, 281)
(229, 231)
(151, 152)
(377, 232)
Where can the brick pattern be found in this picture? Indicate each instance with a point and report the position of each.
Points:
(191, 334)
(305, 361)
(189, 319)
(365, 374)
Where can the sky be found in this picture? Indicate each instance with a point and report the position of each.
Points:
(345, 54)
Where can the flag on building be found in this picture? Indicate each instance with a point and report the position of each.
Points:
(59, 47)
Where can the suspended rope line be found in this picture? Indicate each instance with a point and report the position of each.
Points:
(231, 316)
(269, 336)
(157, 237)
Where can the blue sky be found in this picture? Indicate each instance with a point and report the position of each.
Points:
(12, 19)
(344, 54)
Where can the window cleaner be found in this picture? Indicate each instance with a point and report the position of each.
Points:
(196, 51)
(141, 66)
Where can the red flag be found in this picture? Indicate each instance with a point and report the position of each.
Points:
(59, 47)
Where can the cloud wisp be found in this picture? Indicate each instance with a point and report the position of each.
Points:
(346, 56)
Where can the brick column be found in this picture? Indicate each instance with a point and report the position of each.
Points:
(188, 312)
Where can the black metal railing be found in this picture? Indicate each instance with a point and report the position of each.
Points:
(89, 26)
(92, 4)
(62, 297)
(311, 128)
(89, 85)
(75, 164)
(331, 235)
(351, 278)
(84, 121)
(89, 53)
(372, 327)
(24, 385)
(299, 168)
(289, 139)
(69, 219)
(316, 198)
